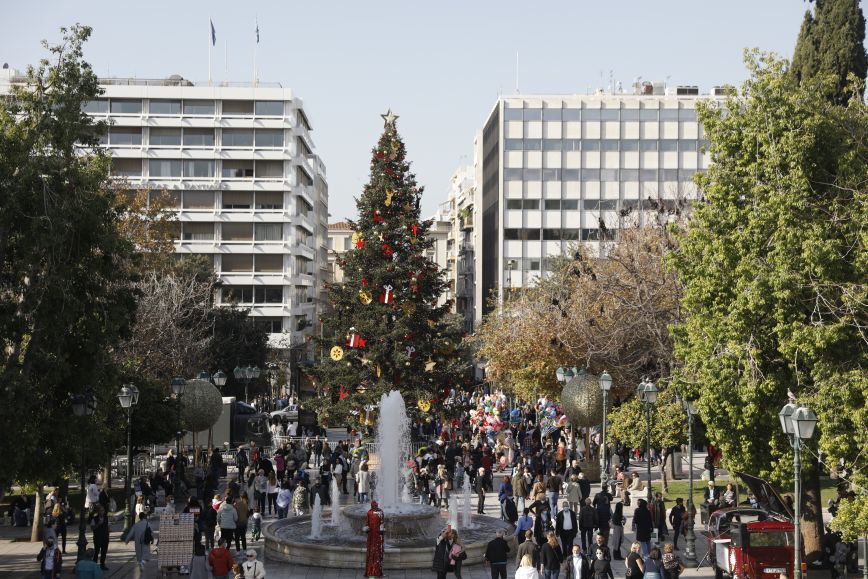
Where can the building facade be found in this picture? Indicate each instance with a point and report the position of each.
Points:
(458, 209)
(558, 170)
(237, 165)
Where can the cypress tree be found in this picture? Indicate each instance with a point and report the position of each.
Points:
(831, 42)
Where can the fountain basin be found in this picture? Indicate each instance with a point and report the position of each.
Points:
(288, 540)
(401, 522)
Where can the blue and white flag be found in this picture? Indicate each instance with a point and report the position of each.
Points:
(257, 32)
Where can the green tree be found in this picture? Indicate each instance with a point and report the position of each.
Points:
(389, 300)
(66, 297)
(668, 422)
(773, 267)
(832, 42)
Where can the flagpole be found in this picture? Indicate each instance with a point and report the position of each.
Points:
(255, 48)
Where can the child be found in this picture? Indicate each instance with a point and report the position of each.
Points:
(237, 571)
(256, 521)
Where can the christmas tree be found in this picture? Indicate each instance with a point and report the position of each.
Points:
(384, 329)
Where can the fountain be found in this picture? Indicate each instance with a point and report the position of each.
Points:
(453, 512)
(466, 521)
(316, 518)
(410, 529)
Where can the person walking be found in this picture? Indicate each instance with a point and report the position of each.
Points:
(87, 568)
(271, 489)
(363, 482)
(142, 538)
(284, 499)
(497, 554)
(642, 525)
(676, 519)
(220, 560)
(566, 526)
(100, 528)
(50, 559)
(480, 486)
(503, 494)
(199, 563)
(601, 568)
(227, 520)
(260, 490)
(672, 565)
(551, 557)
(457, 554)
(529, 548)
(617, 534)
(576, 565)
(243, 510)
(587, 522)
(252, 568)
(526, 569)
(522, 525)
(652, 567)
(443, 547)
(633, 563)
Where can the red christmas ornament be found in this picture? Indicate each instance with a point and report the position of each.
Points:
(364, 282)
(343, 393)
(387, 296)
(360, 244)
(387, 250)
(354, 340)
(389, 172)
(415, 229)
(381, 155)
(378, 218)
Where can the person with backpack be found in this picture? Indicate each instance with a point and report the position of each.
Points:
(50, 559)
(142, 537)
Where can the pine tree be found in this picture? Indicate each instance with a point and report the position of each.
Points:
(831, 42)
(385, 330)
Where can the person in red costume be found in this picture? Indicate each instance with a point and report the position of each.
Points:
(374, 526)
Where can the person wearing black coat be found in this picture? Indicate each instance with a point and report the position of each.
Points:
(99, 525)
(643, 524)
(577, 562)
(440, 564)
(497, 555)
(542, 524)
(551, 557)
(600, 567)
(566, 526)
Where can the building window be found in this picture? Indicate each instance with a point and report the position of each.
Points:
(551, 174)
(237, 169)
(669, 174)
(608, 205)
(161, 107)
(669, 145)
(590, 174)
(198, 107)
(198, 137)
(237, 199)
(268, 294)
(572, 144)
(590, 114)
(269, 169)
(608, 175)
(533, 114)
(522, 204)
(198, 232)
(647, 114)
(551, 114)
(668, 114)
(512, 113)
(126, 107)
(533, 144)
(270, 138)
(237, 138)
(269, 232)
(125, 137)
(269, 263)
(552, 144)
(95, 107)
(238, 294)
(237, 232)
(569, 175)
(647, 174)
(687, 114)
(512, 174)
(203, 200)
(198, 169)
(269, 325)
(164, 137)
(570, 204)
(609, 114)
(521, 234)
(126, 167)
(572, 114)
(532, 174)
(269, 108)
(171, 199)
(269, 200)
(629, 114)
(513, 145)
(235, 262)
(690, 146)
(591, 145)
(237, 108)
(609, 144)
(629, 174)
(164, 167)
(553, 204)
(629, 145)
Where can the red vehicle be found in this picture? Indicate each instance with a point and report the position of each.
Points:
(754, 542)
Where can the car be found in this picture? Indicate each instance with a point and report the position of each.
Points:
(752, 541)
(289, 413)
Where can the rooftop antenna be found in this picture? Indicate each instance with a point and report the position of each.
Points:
(516, 72)
(611, 81)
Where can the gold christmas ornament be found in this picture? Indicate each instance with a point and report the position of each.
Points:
(582, 400)
(389, 194)
(409, 307)
(365, 297)
(379, 371)
(356, 237)
(429, 365)
(432, 324)
(337, 353)
(424, 405)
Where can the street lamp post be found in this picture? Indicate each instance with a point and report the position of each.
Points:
(129, 397)
(83, 405)
(798, 422)
(246, 374)
(690, 409)
(605, 386)
(179, 385)
(648, 395)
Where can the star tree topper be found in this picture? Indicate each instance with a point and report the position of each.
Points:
(389, 117)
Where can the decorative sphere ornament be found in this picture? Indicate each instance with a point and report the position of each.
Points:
(201, 405)
(582, 400)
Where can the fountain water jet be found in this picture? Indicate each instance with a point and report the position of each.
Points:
(466, 520)
(316, 518)
(336, 496)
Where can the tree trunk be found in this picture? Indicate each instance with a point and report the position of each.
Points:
(812, 512)
(37, 516)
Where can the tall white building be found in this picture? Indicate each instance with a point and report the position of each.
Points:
(238, 164)
(458, 210)
(555, 170)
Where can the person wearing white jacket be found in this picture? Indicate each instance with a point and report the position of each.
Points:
(526, 570)
(252, 568)
(363, 482)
